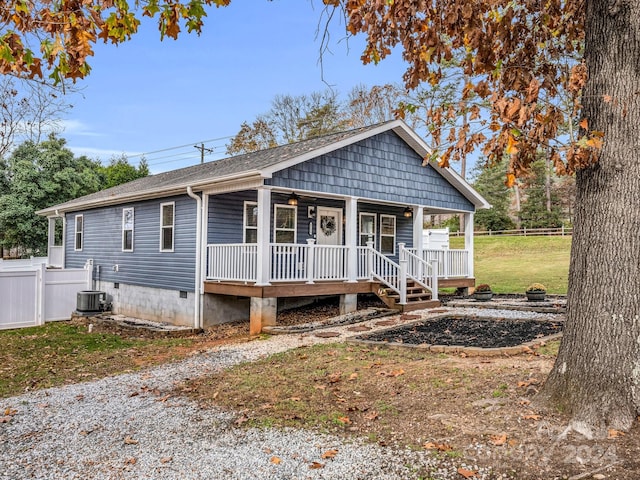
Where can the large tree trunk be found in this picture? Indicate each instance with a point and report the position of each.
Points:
(596, 377)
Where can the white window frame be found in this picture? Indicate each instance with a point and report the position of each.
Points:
(164, 227)
(124, 210)
(375, 228)
(395, 226)
(245, 227)
(76, 232)
(295, 222)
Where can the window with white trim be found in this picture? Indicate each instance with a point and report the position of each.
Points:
(250, 222)
(79, 233)
(367, 228)
(127, 229)
(284, 224)
(388, 234)
(167, 222)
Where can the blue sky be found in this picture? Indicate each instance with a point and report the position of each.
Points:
(146, 95)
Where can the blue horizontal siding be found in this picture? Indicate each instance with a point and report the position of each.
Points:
(382, 167)
(146, 265)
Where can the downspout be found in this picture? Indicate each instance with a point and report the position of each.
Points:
(198, 287)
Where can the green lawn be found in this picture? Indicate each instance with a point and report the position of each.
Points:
(509, 264)
(59, 352)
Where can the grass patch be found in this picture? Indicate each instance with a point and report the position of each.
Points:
(387, 395)
(60, 352)
(510, 264)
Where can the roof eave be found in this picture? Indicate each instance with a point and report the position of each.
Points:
(148, 194)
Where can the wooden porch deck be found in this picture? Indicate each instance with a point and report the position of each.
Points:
(302, 289)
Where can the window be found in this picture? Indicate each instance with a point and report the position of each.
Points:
(127, 229)
(167, 219)
(367, 228)
(285, 224)
(250, 222)
(387, 234)
(79, 230)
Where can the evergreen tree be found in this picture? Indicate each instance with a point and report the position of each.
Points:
(534, 213)
(489, 182)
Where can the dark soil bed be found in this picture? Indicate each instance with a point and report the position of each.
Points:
(468, 332)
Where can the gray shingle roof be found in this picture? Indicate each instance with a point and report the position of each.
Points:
(199, 174)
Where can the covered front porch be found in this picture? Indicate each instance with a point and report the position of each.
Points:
(306, 244)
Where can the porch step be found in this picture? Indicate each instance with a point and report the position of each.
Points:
(417, 299)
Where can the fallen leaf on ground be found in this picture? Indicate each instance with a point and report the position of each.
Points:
(615, 433)
(131, 461)
(371, 416)
(441, 447)
(498, 440)
(526, 383)
(353, 376)
(466, 473)
(334, 377)
(329, 454)
(10, 411)
(166, 459)
(531, 416)
(315, 465)
(344, 420)
(130, 441)
(275, 460)
(241, 419)
(295, 399)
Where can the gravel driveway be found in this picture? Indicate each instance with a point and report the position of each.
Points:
(126, 426)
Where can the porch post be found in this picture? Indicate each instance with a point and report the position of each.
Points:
(51, 237)
(468, 242)
(418, 242)
(264, 230)
(402, 281)
(350, 237)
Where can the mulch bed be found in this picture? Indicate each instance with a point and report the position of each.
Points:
(468, 332)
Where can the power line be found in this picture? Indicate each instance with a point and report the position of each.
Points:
(181, 146)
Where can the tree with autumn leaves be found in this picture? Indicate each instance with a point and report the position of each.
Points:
(558, 75)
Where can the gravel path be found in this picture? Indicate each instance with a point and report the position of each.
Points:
(126, 426)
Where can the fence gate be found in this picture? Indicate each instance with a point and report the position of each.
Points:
(19, 299)
(33, 296)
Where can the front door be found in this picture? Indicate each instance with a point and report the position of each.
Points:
(329, 262)
(329, 226)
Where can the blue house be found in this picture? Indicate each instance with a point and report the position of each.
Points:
(340, 214)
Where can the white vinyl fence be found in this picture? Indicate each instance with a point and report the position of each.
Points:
(33, 295)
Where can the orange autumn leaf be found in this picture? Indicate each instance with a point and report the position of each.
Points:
(275, 460)
(467, 473)
(531, 416)
(344, 420)
(316, 465)
(329, 454)
(614, 433)
(584, 124)
(498, 440)
(511, 180)
(441, 447)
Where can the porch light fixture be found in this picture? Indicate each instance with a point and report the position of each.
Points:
(293, 199)
(408, 213)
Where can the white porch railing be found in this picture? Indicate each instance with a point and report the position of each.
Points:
(289, 262)
(236, 262)
(310, 263)
(451, 263)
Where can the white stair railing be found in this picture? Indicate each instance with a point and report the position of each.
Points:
(387, 272)
(421, 272)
